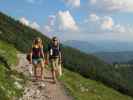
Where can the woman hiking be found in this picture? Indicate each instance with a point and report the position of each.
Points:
(37, 58)
(55, 58)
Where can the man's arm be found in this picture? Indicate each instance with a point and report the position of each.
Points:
(60, 57)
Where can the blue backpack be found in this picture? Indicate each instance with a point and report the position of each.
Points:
(54, 51)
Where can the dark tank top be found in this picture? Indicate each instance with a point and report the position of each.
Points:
(37, 53)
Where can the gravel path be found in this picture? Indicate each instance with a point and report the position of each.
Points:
(43, 90)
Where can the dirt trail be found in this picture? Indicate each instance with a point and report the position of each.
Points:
(43, 90)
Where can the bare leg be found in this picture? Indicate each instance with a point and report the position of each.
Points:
(42, 69)
(54, 75)
(35, 71)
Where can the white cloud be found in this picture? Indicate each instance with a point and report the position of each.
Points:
(93, 17)
(93, 1)
(103, 22)
(107, 23)
(119, 28)
(61, 24)
(73, 3)
(130, 29)
(51, 20)
(65, 21)
(127, 29)
(113, 5)
(35, 25)
(49, 26)
(26, 22)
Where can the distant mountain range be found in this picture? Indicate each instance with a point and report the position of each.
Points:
(116, 57)
(100, 46)
(109, 51)
(83, 46)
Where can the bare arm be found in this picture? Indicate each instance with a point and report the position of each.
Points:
(47, 56)
(42, 52)
(60, 57)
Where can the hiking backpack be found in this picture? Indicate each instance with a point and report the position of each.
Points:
(54, 51)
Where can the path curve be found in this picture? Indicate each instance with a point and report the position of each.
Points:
(44, 90)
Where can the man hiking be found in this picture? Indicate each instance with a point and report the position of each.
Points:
(55, 58)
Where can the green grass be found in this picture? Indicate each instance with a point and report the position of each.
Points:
(8, 52)
(8, 77)
(85, 89)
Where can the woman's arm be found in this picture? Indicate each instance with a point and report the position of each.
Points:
(42, 51)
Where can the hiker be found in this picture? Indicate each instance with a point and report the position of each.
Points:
(36, 58)
(55, 58)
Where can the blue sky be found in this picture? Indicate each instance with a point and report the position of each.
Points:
(32, 11)
(75, 19)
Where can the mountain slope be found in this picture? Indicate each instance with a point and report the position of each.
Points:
(11, 82)
(18, 34)
(86, 89)
(86, 64)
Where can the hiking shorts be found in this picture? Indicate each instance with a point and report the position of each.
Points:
(36, 60)
(54, 63)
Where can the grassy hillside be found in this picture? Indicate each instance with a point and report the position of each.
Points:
(86, 89)
(87, 65)
(17, 34)
(11, 82)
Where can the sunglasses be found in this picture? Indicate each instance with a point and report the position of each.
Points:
(54, 40)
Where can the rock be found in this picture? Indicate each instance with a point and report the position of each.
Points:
(82, 89)
(1, 32)
(18, 85)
